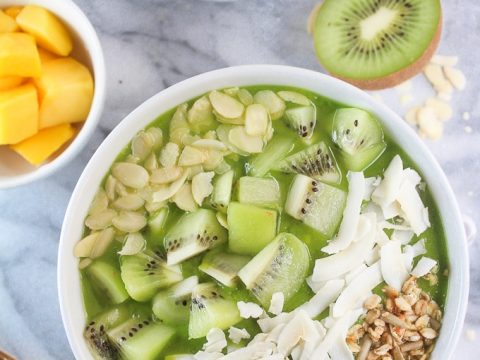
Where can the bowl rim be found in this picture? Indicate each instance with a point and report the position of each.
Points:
(68, 276)
(86, 32)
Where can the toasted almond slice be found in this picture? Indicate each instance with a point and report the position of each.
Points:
(429, 123)
(102, 243)
(256, 120)
(191, 156)
(110, 185)
(121, 189)
(184, 198)
(134, 243)
(210, 144)
(99, 203)
(445, 60)
(225, 105)
(169, 154)
(100, 220)
(456, 77)
(294, 97)
(443, 111)
(166, 175)
(130, 175)
(435, 75)
(202, 186)
(151, 162)
(142, 145)
(129, 202)
(212, 160)
(245, 97)
(274, 104)
(156, 137)
(84, 247)
(250, 144)
(129, 221)
(166, 192)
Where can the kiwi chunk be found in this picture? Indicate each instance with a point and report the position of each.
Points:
(258, 191)
(316, 161)
(222, 191)
(223, 267)
(359, 136)
(172, 305)
(316, 204)
(280, 267)
(156, 221)
(107, 278)
(147, 272)
(95, 332)
(209, 310)
(193, 234)
(302, 119)
(141, 338)
(376, 44)
(275, 150)
(250, 228)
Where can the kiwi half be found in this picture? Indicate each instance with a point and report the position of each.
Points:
(375, 44)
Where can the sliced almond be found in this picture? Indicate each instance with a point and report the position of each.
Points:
(201, 112)
(190, 139)
(202, 186)
(142, 145)
(250, 144)
(256, 120)
(102, 243)
(443, 111)
(99, 203)
(179, 125)
(274, 104)
(129, 202)
(445, 60)
(156, 137)
(110, 187)
(101, 220)
(245, 97)
(166, 175)
(411, 116)
(225, 105)
(130, 175)
(184, 198)
(121, 189)
(213, 159)
(151, 162)
(456, 77)
(166, 192)
(191, 156)
(84, 247)
(83, 264)
(429, 123)
(134, 244)
(129, 221)
(169, 154)
(210, 144)
(194, 170)
(435, 75)
(294, 97)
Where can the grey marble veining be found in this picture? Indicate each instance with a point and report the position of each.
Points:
(150, 45)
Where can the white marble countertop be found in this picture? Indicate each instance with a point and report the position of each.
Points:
(152, 44)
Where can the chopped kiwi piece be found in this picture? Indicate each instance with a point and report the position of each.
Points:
(193, 234)
(156, 221)
(147, 272)
(107, 279)
(250, 228)
(95, 332)
(258, 191)
(141, 338)
(280, 267)
(210, 310)
(376, 44)
(223, 267)
(359, 136)
(222, 191)
(318, 205)
(172, 305)
(275, 151)
(302, 119)
(316, 161)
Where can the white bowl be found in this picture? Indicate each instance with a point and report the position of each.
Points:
(14, 170)
(68, 275)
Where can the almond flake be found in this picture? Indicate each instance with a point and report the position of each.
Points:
(84, 247)
(184, 198)
(456, 77)
(429, 124)
(274, 104)
(191, 156)
(129, 221)
(209, 144)
(202, 186)
(225, 105)
(101, 220)
(134, 243)
(169, 155)
(443, 111)
(165, 175)
(131, 175)
(129, 202)
(250, 144)
(445, 60)
(256, 120)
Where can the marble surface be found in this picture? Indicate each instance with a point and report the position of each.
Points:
(152, 44)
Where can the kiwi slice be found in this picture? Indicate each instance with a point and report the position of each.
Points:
(316, 204)
(275, 150)
(193, 234)
(302, 119)
(223, 267)
(222, 191)
(141, 338)
(376, 44)
(107, 279)
(147, 272)
(316, 161)
(259, 191)
(172, 305)
(156, 221)
(360, 137)
(280, 267)
(250, 228)
(95, 332)
(209, 310)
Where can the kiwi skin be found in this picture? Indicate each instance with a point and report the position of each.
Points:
(402, 75)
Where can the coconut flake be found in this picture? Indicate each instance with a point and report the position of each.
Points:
(249, 310)
(392, 264)
(387, 191)
(423, 267)
(203, 355)
(216, 341)
(351, 275)
(237, 335)
(276, 304)
(419, 248)
(253, 351)
(300, 328)
(334, 266)
(323, 298)
(373, 256)
(358, 290)
(412, 206)
(371, 184)
(202, 186)
(403, 236)
(133, 244)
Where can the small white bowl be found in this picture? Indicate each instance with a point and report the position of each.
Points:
(14, 170)
(69, 289)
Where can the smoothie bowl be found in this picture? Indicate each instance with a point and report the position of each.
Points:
(262, 212)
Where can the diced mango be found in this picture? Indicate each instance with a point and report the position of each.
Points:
(18, 114)
(7, 24)
(46, 55)
(41, 146)
(47, 29)
(19, 55)
(13, 11)
(66, 90)
(9, 82)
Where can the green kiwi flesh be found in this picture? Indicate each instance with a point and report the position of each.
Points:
(371, 39)
(316, 161)
(209, 309)
(156, 221)
(147, 272)
(107, 279)
(222, 191)
(280, 267)
(223, 267)
(275, 151)
(302, 119)
(250, 228)
(193, 234)
(259, 191)
(359, 137)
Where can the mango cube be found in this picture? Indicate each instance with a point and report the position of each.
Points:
(7, 24)
(66, 92)
(19, 55)
(13, 11)
(9, 82)
(18, 114)
(47, 29)
(46, 55)
(41, 146)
